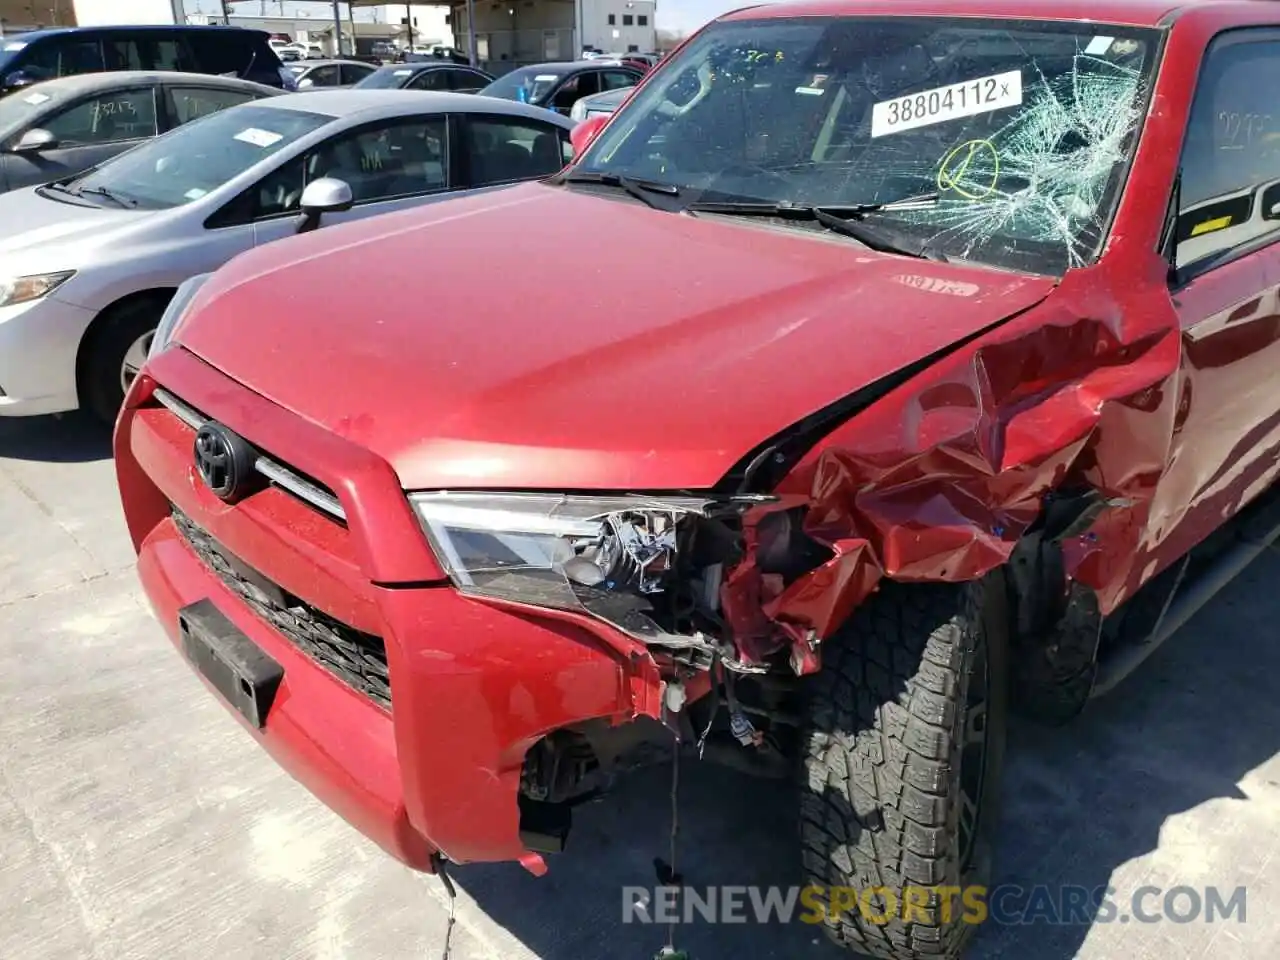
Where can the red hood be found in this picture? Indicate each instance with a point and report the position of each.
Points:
(537, 338)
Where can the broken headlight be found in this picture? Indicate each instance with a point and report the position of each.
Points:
(629, 560)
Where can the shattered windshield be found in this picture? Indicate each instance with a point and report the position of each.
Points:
(1022, 128)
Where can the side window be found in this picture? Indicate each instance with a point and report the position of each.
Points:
(142, 52)
(218, 54)
(61, 57)
(354, 74)
(502, 150)
(320, 77)
(107, 118)
(1231, 155)
(385, 162)
(191, 103)
(467, 81)
(431, 80)
(574, 89)
(617, 80)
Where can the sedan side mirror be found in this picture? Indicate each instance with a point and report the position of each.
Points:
(326, 195)
(585, 132)
(35, 140)
(18, 79)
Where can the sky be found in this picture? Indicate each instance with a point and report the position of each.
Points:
(683, 16)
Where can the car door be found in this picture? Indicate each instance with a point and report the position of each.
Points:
(88, 131)
(1227, 290)
(389, 165)
(499, 150)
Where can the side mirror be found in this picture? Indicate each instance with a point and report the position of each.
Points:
(306, 82)
(326, 195)
(18, 79)
(585, 133)
(35, 141)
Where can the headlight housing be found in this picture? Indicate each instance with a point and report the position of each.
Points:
(176, 310)
(629, 560)
(15, 290)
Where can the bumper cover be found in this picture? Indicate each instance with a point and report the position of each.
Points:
(474, 685)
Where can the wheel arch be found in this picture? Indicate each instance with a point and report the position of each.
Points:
(159, 296)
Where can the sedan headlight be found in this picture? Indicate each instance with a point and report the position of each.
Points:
(628, 560)
(176, 310)
(14, 290)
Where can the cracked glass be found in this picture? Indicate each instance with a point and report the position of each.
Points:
(1022, 129)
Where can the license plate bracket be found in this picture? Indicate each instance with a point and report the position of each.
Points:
(240, 670)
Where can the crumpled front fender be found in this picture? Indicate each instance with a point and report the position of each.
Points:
(939, 478)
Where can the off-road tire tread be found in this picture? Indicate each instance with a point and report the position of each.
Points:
(875, 810)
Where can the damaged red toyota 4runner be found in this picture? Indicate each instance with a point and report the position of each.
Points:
(930, 371)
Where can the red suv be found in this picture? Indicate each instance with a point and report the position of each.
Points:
(911, 380)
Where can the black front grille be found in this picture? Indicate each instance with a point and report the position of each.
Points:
(356, 658)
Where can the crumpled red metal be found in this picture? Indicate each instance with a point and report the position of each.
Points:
(939, 479)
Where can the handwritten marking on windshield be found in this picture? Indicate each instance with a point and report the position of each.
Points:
(965, 99)
(971, 170)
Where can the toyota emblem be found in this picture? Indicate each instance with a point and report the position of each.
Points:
(225, 462)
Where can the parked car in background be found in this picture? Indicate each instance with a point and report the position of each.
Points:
(924, 375)
(306, 51)
(88, 263)
(61, 127)
(558, 86)
(427, 75)
(440, 52)
(641, 61)
(599, 105)
(329, 73)
(30, 58)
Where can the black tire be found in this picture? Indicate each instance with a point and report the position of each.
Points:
(889, 790)
(101, 389)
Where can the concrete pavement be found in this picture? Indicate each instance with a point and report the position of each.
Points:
(137, 820)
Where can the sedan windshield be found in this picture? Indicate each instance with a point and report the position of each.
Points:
(1016, 133)
(527, 85)
(17, 108)
(198, 157)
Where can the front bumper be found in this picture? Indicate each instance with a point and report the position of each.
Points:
(473, 685)
(38, 346)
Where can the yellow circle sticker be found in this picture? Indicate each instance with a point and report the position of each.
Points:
(971, 170)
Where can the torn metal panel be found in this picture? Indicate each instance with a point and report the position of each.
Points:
(939, 479)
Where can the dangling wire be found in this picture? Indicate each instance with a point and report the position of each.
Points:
(443, 873)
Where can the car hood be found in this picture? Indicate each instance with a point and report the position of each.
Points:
(538, 338)
(34, 228)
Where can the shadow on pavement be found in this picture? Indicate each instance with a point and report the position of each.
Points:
(62, 438)
(1079, 803)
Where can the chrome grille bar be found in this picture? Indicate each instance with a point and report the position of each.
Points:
(273, 470)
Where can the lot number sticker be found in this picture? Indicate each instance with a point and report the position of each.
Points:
(259, 138)
(947, 103)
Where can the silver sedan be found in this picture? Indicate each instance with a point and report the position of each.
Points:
(89, 263)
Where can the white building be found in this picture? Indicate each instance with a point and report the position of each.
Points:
(431, 23)
(618, 26)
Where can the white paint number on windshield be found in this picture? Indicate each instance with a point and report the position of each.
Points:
(951, 102)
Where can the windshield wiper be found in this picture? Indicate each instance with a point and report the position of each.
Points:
(111, 195)
(846, 220)
(646, 191)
